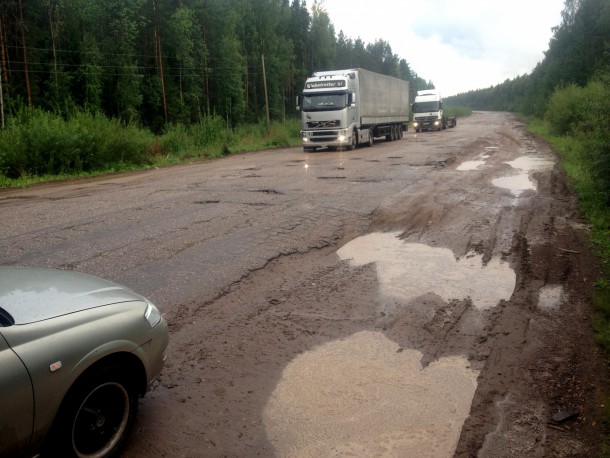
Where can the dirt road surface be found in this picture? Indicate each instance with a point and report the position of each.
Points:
(426, 297)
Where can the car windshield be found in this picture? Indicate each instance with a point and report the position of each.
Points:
(323, 102)
(425, 107)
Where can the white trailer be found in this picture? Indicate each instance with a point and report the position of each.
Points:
(347, 108)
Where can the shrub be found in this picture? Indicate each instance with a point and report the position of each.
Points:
(36, 142)
(564, 109)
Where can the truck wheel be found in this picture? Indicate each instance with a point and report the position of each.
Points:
(371, 140)
(352, 144)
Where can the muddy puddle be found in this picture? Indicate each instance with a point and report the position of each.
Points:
(516, 184)
(366, 396)
(408, 270)
(550, 297)
(519, 183)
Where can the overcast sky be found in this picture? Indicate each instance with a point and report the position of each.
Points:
(460, 45)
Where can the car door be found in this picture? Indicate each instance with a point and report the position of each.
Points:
(16, 403)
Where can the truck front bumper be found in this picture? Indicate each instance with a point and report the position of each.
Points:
(325, 138)
(425, 124)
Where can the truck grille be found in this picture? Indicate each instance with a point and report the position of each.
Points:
(426, 119)
(321, 136)
(323, 124)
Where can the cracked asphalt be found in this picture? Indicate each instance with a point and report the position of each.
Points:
(303, 293)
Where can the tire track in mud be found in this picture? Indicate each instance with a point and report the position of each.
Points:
(509, 416)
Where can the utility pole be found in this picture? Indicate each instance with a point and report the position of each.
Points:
(1, 104)
(265, 85)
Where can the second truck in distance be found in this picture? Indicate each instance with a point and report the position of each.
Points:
(347, 108)
(428, 112)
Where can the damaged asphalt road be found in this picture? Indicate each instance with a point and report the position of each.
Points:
(425, 297)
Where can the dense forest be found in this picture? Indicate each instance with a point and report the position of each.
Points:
(160, 62)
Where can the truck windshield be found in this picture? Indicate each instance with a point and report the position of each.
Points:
(425, 107)
(324, 102)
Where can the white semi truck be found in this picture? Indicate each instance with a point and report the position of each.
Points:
(428, 112)
(347, 108)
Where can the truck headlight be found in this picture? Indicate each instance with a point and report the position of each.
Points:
(415, 124)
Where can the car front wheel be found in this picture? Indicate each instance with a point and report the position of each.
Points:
(97, 417)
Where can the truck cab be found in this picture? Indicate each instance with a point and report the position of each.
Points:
(329, 114)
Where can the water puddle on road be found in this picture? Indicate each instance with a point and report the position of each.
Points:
(470, 165)
(550, 297)
(408, 270)
(531, 163)
(518, 184)
(365, 396)
(474, 165)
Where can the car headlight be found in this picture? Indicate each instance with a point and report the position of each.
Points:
(152, 315)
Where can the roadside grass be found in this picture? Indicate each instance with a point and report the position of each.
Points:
(595, 207)
(457, 111)
(37, 146)
(594, 204)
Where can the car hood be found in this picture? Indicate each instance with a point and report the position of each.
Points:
(31, 295)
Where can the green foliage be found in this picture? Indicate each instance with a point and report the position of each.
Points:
(162, 62)
(584, 114)
(582, 151)
(457, 111)
(36, 142)
(40, 146)
(575, 110)
(601, 321)
(563, 111)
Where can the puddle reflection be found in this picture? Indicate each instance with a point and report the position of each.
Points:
(516, 184)
(408, 270)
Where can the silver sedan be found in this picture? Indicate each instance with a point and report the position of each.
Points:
(76, 353)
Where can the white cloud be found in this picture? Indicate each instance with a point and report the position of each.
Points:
(459, 45)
